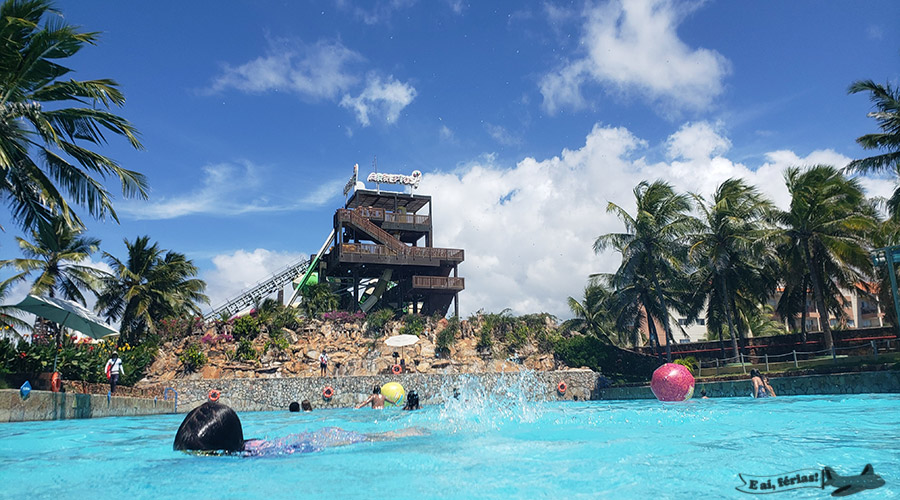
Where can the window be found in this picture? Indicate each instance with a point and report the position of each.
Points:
(851, 324)
(701, 322)
(682, 321)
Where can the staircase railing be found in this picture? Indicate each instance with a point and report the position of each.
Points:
(373, 230)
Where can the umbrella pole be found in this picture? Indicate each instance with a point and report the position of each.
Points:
(58, 341)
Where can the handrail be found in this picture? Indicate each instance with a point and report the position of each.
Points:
(368, 226)
(166, 396)
(406, 251)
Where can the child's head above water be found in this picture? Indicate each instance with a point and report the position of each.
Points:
(210, 427)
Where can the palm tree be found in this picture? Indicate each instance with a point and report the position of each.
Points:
(8, 314)
(55, 253)
(317, 299)
(887, 103)
(594, 315)
(653, 249)
(152, 284)
(829, 223)
(43, 163)
(728, 252)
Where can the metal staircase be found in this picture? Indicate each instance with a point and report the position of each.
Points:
(260, 290)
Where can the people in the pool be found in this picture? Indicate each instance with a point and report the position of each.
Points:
(412, 401)
(215, 428)
(376, 399)
(761, 387)
(294, 407)
(305, 405)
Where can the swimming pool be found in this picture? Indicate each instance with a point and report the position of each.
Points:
(475, 447)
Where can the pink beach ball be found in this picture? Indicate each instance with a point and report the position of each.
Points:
(672, 382)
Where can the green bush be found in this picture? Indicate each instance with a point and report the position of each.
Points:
(516, 336)
(192, 358)
(245, 350)
(245, 327)
(376, 322)
(277, 340)
(688, 362)
(413, 324)
(447, 337)
(75, 361)
(610, 360)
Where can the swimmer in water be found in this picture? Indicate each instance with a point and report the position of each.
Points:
(377, 399)
(214, 428)
(412, 401)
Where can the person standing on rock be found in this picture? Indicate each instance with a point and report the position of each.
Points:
(323, 362)
(113, 370)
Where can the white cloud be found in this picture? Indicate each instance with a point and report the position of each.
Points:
(632, 46)
(226, 189)
(528, 228)
(383, 98)
(318, 71)
(242, 269)
(500, 134)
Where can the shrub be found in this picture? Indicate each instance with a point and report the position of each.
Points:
(245, 327)
(192, 358)
(593, 353)
(688, 362)
(516, 336)
(447, 337)
(245, 350)
(413, 324)
(376, 322)
(277, 340)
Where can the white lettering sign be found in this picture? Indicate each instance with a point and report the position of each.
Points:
(409, 180)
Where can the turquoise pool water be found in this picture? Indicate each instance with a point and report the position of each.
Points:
(475, 447)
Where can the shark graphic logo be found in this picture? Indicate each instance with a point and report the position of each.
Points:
(848, 485)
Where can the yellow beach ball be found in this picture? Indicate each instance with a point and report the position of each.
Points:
(394, 394)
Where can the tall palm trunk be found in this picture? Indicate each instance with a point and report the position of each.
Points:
(665, 318)
(803, 310)
(654, 338)
(729, 317)
(819, 295)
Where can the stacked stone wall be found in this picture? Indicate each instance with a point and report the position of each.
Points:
(253, 394)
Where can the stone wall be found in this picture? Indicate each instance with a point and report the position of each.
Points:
(835, 383)
(46, 405)
(252, 394)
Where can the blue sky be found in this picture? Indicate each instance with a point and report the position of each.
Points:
(526, 119)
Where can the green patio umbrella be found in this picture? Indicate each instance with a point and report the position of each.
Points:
(68, 314)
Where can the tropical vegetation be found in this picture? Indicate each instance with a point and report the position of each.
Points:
(49, 122)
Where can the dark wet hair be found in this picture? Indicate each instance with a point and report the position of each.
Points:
(306, 405)
(210, 427)
(294, 406)
(703, 392)
(755, 373)
(376, 389)
(412, 401)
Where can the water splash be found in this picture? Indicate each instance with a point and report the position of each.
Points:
(473, 402)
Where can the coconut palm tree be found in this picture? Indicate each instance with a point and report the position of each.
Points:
(9, 319)
(317, 299)
(44, 164)
(829, 224)
(55, 253)
(594, 315)
(728, 252)
(150, 285)
(653, 248)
